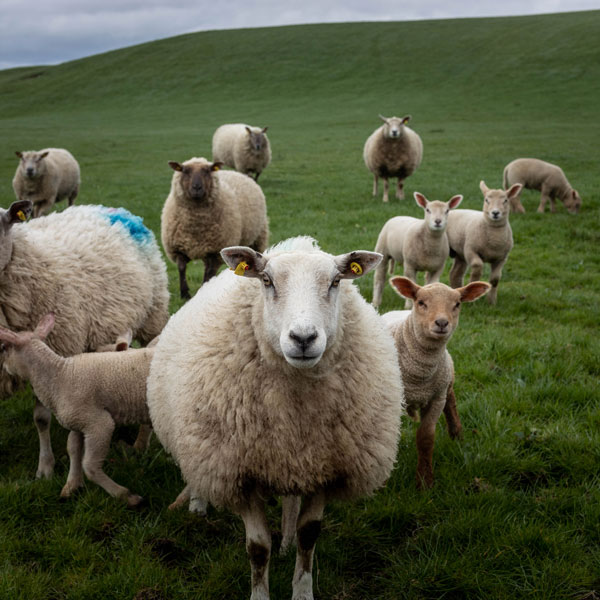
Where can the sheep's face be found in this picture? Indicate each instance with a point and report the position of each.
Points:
(257, 139)
(393, 127)
(573, 202)
(32, 163)
(496, 203)
(436, 212)
(195, 178)
(301, 296)
(17, 213)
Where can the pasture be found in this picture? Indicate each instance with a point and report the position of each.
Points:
(516, 508)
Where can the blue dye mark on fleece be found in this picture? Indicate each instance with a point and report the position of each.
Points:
(134, 225)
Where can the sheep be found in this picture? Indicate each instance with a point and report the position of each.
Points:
(245, 148)
(421, 335)
(549, 179)
(206, 210)
(100, 267)
(89, 394)
(393, 150)
(478, 237)
(419, 244)
(280, 381)
(45, 177)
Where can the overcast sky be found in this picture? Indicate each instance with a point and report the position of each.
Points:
(40, 32)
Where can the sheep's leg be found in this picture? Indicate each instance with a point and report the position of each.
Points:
(42, 417)
(375, 180)
(451, 413)
(256, 174)
(211, 266)
(425, 442)
(386, 189)
(181, 261)
(258, 545)
(183, 498)
(290, 509)
(434, 276)
(379, 282)
(309, 527)
(544, 197)
(39, 208)
(75, 477)
(495, 275)
(457, 272)
(516, 205)
(142, 441)
(410, 272)
(73, 195)
(476, 266)
(400, 189)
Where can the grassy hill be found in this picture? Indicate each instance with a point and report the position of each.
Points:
(515, 510)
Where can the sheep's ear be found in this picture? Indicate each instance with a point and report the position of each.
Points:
(514, 190)
(249, 130)
(405, 287)
(455, 201)
(175, 165)
(406, 119)
(484, 188)
(42, 155)
(124, 341)
(473, 290)
(9, 337)
(264, 130)
(357, 263)
(19, 154)
(44, 327)
(244, 261)
(384, 119)
(420, 199)
(216, 165)
(18, 212)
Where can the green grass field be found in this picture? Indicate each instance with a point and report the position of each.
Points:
(516, 508)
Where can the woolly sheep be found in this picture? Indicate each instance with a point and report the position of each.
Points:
(393, 150)
(549, 179)
(427, 369)
(419, 244)
(206, 210)
(98, 267)
(281, 381)
(45, 177)
(478, 237)
(245, 148)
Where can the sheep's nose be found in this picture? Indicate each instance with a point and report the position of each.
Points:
(303, 340)
(438, 222)
(29, 171)
(495, 214)
(441, 323)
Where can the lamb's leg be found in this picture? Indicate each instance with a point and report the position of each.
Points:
(386, 189)
(42, 417)
(400, 189)
(258, 545)
(451, 413)
(379, 281)
(516, 205)
(495, 275)
(256, 174)
(544, 197)
(183, 498)
(457, 272)
(211, 266)
(39, 208)
(425, 442)
(309, 527)
(142, 441)
(434, 276)
(181, 261)
(73, 195)
(75, 477)
(290, 509)
(476, 266)
(375, 180)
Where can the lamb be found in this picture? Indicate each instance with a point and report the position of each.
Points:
(89, 394)
(280, 381)
(478, 237)
(45, 177)
(206, 210)
(420, 244)
(245, 148)
(549, 179)
(98, 266)
(393, 150)
(427, 369)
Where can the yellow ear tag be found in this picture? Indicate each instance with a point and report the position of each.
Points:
(216, 168)
(356, 268)
(243, 266)
(21, 215)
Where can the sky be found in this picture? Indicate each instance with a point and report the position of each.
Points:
(46, 32)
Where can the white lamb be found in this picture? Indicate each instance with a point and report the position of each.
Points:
(478, 237)
(206, 210)
(427, 369)
(282, 381)
(45, 177)
(419, 244)
(243, 147)
(393, 150)
(98, 267)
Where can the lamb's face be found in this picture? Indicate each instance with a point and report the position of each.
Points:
(32, 164)
(574, 202)
(496, 203)
(436, 212)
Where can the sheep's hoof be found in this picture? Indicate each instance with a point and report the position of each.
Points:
(198, 506)
(69, 490)
(134, 500)
(45, 471)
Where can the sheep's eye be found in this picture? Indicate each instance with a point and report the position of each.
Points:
(487, 200)
(336, 282)
(422, 304)
(266, 280)
(427, 210)
(457, 306)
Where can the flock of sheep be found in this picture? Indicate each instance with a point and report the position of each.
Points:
(277, 377)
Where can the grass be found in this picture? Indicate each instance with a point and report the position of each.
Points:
(515, 511)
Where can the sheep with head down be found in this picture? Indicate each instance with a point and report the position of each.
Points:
(282, 381)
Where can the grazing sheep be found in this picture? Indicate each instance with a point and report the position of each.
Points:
(419, 244)
(245, 148)
(478, 237)
(427, 370)
(89, 394)
(393, 150)
(99, 267)
(549, 179)
(206, 210)
(281, 381)
(45, 177)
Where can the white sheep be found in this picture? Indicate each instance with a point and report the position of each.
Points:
(282, 381)
(549, 179)
(206, 210)
(478, 237)
(99, 267)
(393, 150)
(45, 177)
(245, 148)
(419, 244)
(427, 369)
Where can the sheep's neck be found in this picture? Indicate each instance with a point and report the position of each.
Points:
(425, 354)
(45, 369)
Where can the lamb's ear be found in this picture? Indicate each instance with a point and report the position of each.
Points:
(384, 119)
(175, 165)
(484, 188)
(514, 190)
(357, 263)
(420, 199)
(405, 287)
(244, 261)
(473, 290)
(9, 337)
(18, 212)
(406, 119)
(124, 341)
(455, 201)
(44, 327)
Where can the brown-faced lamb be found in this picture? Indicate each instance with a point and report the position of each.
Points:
(245, 148)
(282, 381)
(45, 177)
(419, 244)
(478, 237)
(549, 179)
(427, 369)
(393, 150)
(206, 210)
